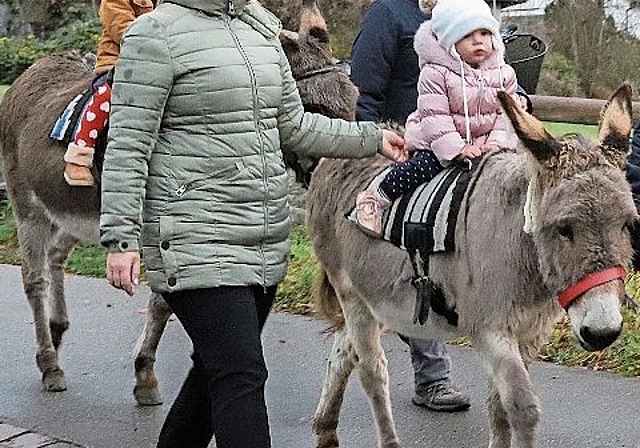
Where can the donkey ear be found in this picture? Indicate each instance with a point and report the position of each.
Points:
(311, 19)
(614, 126)
(289, 41)
(530, 130)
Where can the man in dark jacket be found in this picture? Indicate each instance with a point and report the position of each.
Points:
(384, 66)
(633, 176)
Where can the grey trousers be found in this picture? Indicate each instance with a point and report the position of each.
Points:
(431, 362)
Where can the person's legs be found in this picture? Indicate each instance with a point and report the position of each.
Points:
(432, 374)
(224, 391)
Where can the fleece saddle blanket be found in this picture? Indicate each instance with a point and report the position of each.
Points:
(425, 220)
(65, 127)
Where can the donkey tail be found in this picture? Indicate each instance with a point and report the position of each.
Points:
(325, 300)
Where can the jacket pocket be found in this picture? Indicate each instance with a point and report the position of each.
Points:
(226, 173)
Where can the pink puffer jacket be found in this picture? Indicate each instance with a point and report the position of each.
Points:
(440, 121)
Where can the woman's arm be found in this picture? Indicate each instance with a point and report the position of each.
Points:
(143, 80)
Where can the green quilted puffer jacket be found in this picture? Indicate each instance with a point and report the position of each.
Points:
(203, 105)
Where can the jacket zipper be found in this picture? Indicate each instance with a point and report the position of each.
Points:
(188, 185)
(256, 121)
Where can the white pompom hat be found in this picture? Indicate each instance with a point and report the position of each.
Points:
(451, 20)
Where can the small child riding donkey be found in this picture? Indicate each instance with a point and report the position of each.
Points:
(116, 17)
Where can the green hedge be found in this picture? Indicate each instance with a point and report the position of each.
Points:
(17, 54)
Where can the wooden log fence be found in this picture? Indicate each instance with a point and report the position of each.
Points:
(571, 110)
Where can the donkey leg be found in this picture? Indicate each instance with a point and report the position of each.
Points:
(372, 368)
(146, 390)
(35, 233)
(513, 384)
(61, 246)
(500, 429)
(341, 362)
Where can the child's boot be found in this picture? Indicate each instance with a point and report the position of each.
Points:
(370, 205)
(77, 171)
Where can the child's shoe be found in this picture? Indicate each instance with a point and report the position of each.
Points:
(77, 171)
(370, 206)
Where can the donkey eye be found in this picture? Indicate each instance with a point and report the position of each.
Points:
(565, 232)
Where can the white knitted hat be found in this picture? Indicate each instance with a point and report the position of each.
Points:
(451, 20)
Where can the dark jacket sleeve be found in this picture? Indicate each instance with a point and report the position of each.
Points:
(633, 177)
(372, 60)
(633, 166)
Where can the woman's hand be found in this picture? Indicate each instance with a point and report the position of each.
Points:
(393, 147)
(123, 270)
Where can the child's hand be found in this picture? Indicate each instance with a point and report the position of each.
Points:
(470, 152)
(489, 147)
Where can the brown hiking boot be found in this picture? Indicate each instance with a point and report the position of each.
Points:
(442, 398)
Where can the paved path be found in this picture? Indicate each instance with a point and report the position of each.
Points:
(581, 409)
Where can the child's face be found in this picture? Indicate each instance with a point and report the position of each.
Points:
(475, 47)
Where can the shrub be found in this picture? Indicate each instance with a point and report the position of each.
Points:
(18, 53)
(79, 35)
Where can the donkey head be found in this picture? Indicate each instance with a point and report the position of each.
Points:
(579, 211)
(324, 85)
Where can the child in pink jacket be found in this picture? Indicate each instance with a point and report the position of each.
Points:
(458, 114)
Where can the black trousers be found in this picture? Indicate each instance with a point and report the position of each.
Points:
(223, 394)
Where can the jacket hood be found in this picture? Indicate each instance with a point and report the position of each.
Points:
(430, 51)
(231, 7)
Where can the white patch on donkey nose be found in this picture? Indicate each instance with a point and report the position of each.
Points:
(599, 312)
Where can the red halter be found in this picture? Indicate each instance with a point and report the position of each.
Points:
(589, 281)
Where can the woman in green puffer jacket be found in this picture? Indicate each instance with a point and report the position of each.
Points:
(203, 105)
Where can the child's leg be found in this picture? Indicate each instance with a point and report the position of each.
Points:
(79, 155)
(403, 178)
(406, 177)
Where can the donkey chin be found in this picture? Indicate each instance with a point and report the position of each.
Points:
(595, 316)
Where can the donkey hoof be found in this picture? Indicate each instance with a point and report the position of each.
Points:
(328, 442)
(147, 396)
(54, 381)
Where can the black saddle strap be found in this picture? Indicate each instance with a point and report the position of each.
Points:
(428, 294)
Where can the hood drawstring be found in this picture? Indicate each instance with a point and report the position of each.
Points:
(465, 101)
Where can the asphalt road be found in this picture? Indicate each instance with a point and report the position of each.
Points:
(581, 409)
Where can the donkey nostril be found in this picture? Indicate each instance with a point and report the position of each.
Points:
(599, 338)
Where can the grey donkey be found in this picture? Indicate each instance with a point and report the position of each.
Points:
(537, 224)
(52, 217)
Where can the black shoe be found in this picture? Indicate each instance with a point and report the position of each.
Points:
(442, 398)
